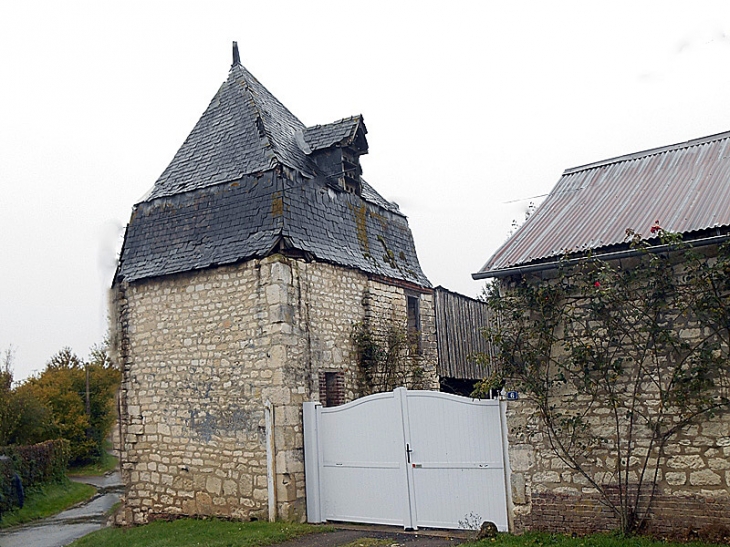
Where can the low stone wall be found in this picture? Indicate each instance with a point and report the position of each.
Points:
(680, 517)
(693, 488)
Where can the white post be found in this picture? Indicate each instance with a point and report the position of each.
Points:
(312, 462)
(400, 395)
(505, 457)
(270, 459)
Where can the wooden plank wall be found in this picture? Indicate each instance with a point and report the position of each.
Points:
(459, 324)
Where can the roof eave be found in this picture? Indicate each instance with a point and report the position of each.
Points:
(614, 255)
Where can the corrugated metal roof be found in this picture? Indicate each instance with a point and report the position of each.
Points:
(685, 187)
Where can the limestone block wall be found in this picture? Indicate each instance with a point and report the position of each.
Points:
(326, 301)
(385, 307)
(202, 351)
(693, 478)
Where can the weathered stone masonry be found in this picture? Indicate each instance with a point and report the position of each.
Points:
(202, 353)
(599, 209)
(694, 485)
(693, 480)
(241, 276)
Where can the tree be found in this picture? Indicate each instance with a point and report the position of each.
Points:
(82, 411)
(103, 381)
(23, 418)
(645, 341)
(7, 417)
(33, 420)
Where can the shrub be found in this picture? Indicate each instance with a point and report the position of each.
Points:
(34, 464)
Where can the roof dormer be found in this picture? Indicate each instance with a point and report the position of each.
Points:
(336, 149)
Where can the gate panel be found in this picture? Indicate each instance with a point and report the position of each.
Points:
(409, 458)
(362, 461)
(456, 462)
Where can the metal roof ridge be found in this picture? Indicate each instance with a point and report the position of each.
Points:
(648, 152)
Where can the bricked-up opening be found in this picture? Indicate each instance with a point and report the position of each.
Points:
(414, 322)
(332, 388)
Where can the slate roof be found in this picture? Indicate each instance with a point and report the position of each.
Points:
(244, 130)
(214, 225)
(685, 187)
(340, 132)
(242, 186)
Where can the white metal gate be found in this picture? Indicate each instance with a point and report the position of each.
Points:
(408, 458)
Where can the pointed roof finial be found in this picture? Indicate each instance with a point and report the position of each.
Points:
(236, 57)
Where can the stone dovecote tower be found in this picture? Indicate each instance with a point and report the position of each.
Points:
(242, 275)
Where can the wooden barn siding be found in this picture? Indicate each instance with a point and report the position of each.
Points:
(459, 324)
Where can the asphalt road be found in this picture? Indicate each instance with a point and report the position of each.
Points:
(68, 526)
(71, 524)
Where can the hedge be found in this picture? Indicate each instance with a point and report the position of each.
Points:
(34, 464)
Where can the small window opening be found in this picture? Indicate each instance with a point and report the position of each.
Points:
(350, 187)
(414, 322)
(331, 388)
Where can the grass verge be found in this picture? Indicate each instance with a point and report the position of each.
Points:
(534, 539)
(48, 499)
(189, 532)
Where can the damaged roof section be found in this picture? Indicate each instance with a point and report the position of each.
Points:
(251, 179)
(212, 226)
(684, 187)
(341, 133)
(256, 216)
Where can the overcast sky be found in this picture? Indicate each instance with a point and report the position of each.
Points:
(472, 110)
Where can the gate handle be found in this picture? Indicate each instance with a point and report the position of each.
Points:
(408, 452)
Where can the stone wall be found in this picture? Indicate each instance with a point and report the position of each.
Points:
(202, 352)
(693, 477)
(694, 481)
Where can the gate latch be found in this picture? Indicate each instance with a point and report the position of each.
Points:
(408, 452)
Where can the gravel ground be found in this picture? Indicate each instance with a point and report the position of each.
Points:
(347, 534)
